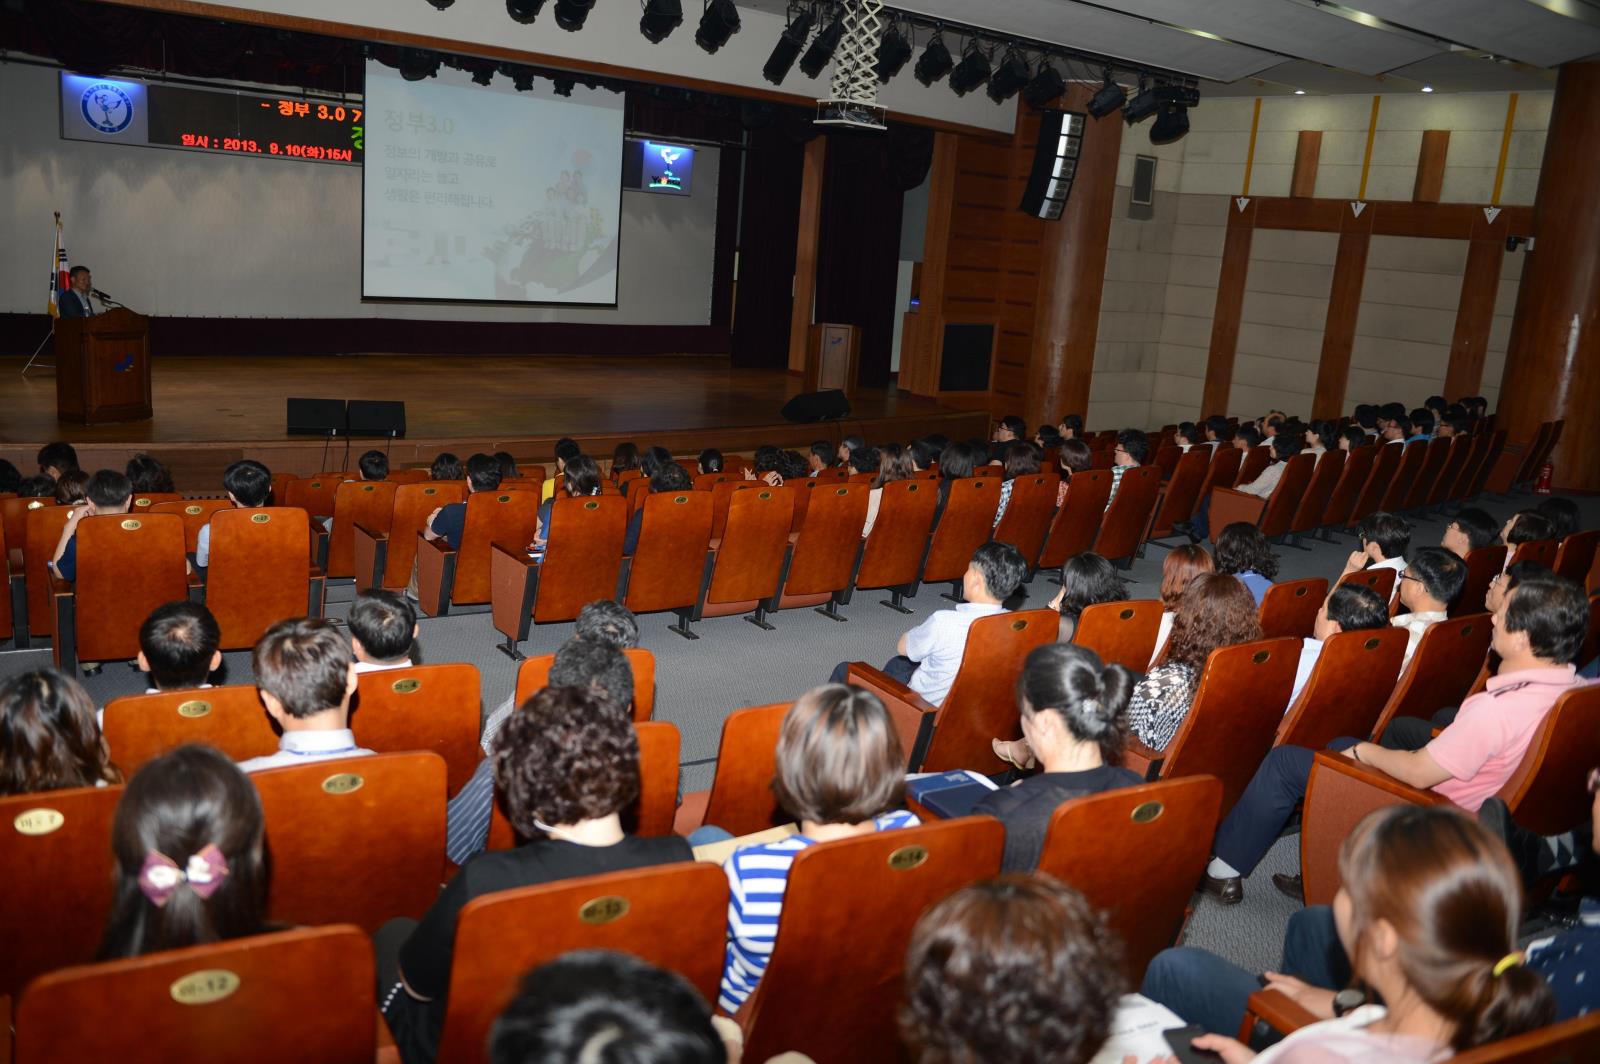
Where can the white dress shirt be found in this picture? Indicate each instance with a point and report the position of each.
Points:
(937, 646)
(303, 747)
(1415, 624)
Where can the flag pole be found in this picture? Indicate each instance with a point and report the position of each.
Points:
(55, 268)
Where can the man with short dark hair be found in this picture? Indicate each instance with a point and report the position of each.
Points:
(306, 677)
(1216, 430)
(1421, 425)
(178, 646)
(1469, 530)
(249, 485)
(1349, 608)
(450, 520)
(109, 493)
(1384, 538)
(1009, 429)
(710, 461)
(57, 458)
(374, 465)
(74, 302)
(820, 457)
(1397, 429)
(1132, 449)
(609, 622)
(1426, 588)
(383, 629)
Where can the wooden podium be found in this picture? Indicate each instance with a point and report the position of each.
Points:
(833, 354)
(103, 367)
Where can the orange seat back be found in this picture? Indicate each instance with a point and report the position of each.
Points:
(1182, 492)
(982, 702)
(306, 994)
(1135, 854)
(1381, 581)
(423, 707)
(853, 956)
(1339, 795)
(1435, 453)
(741, 800)
(669, 561)
(1073, 529)
(1251, 463)
(1457, 450)
(407, 476)
(703, 481)
(1026, 521)
(1313, 500)
(195, 514)
(1347, 489)
(1549, 794)
(1353, 678)
(56, 848)
(1237, 708)
(14, 517)
(127, 566)
(722, 493)
(314, 495)
(369, 503)
(1385, 461)
(826, 550)
(1398, 492)
(1576, 555)
(750, 557)
(965, 525)
(1166, 459)
(139, 728)
(505, 517)
(413, 503)
(583, 555)
(1441, 670)
(1483, 565)
(258, 574)
(43, 527)
(1290, 608)
(142, 501)
(1285, 498)
(1123, 527)
(355, 840)
(1485, 465)
(892, 554)
(1542, 551)
(1121, 633)
(533, 675)
(673, 916)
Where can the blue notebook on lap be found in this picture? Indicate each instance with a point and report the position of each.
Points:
(948, 794)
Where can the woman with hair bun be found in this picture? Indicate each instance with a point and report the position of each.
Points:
(1074, 723)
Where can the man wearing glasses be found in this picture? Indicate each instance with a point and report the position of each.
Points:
(1132, 449)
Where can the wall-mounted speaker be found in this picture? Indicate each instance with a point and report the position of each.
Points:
(1055, 164)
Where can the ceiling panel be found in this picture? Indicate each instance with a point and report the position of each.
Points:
(1520, 29)
(1291, 28)
(1462, 72)
(1109, 33)
(1284, 78)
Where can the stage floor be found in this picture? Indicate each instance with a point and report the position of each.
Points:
(209, 411)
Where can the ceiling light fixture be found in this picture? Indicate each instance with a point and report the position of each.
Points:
(1427, 88)
(1110, 97)
(524, 11)
(893, 53)
(660, 18)
(1299, 92)
(935, 61)
(820, 54)
(571, 14)
(787, 50)
(1009, 78)
(972, 71)
(719, 22)
(1045, 87)
(1170, 125)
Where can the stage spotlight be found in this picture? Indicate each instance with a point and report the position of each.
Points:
(1045, 87)
(563, 86)
(1010, 77)
(1143, 104)
(787, 50)
(520, 76)
(1110, 97)
(820, 54)
(720, 21)
(972, 71)
(483, 76)
(660, 18)
(1170, 125)
(893, 54)
(571, 14)
(934, 62)
(416, 64)
(524, 11)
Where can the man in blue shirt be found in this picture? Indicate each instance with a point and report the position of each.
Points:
(109, 492)
(448, 522)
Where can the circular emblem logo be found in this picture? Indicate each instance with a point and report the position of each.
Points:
(107, 107)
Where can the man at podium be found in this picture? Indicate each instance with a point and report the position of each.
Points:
(74, 302)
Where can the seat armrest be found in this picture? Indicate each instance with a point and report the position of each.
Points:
(64, 603)
(436, 572)
(1229, 505)
(1140, 758)
(910, 712)
(371, 548)
(513, 586)
(1278, 1011)
(1339, 793)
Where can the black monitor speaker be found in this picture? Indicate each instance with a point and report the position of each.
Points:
(829, 405)
(378, 417)
(1055, 164)
(316, 417)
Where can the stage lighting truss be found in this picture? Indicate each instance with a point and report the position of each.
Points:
(854, 92)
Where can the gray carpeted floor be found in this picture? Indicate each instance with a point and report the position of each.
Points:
(736, 664)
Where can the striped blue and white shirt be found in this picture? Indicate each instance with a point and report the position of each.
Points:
(757, 878)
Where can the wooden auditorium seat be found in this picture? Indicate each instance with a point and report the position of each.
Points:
(1441, 670)
(355, 840)
(142, 501)
(1549, 790)
(1181, 493)
(965, 525)
(422, 707)
(1541, 551)
(1483, 565)
(891, 557)
(1073, 528)
(745, 567)
(1439, 491)
(582, 563)
(369, 503)
(1397, 492)
(1290, 608)
(1354, 676)
(852, 956)
(1237, 708)
(1166, 459)
(673, 916)
(981, 704)
(1347, 489)
(1313, 502)
(314, 495)
(826, 549)
(42, 531)
(1381, 581)
(1488, 464)
(127, 566)
(1122, 531)
(722, 492)
(1135, 854)
(446, 577)
(307, 994)
(665, 570)
(740, 800)
(14, 519)
(1385, 461)
(1251, 463)
(1591, 639)
(533, 675)
(407, 476)
(1435, 455)
(1576, 554)
(139, 728)
(56, 849)
(1121, 633)
(1026, 521)
(195, 513)
(1271, 515)
(259, 574)
(383, 558)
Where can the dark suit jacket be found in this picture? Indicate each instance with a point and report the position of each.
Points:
(72, 305)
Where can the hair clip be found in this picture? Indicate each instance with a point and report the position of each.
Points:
(160, 875)
(1092, 705)
(1509, 961)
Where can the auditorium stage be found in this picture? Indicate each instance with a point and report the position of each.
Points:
(212, 411)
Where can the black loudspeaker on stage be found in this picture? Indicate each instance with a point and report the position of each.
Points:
(827, 405)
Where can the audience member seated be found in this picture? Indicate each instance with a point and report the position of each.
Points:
(1396, 429)
(670, 477)
(848, 444)
(72, 487)
(1525, 526)
(1246, 437)
(57, 458)
(1537, 630)
(600, 1006)
(1428, 586)
(248, 484)
(1428, 912)
(929, 655)
(583, 479)
(840, 773)
(566, 765)
(383, 629)
(507, 464)
(1188, 436)
(1349, 608)
(10, 477)
(1087, 579)
(1046, 437)
(1562, 513)
(1132, 449)
(1321, 437)
(924, 453)
(1384, 538)
(863, 460)
(1284, 447)
(1020, 459)
(1009, 430)
(1072, 456)
(1070, 426)
(624, 458)
(653, 460)
(1216, 429)
(108, 493)
(1469, 530)
(764, 466)
(1216, 611)
(1074, 725)
(49, 739)
(1353, 436)
(189, 862)
(566, 450)
(178, 646)
(306, 677)
(956, 461)
(147, 474)
(819, 457)
(894, 463)
(792, 466)
(710, 461)
(1018, 969)
(446, 467)
(1178, 570)
(1243, 552)
(374, 465)
(1421, 425)
(447, 522)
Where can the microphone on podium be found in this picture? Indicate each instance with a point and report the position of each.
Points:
(103, 297)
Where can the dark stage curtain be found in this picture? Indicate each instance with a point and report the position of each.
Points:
(768, 219)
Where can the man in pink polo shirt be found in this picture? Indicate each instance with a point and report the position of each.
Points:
(1538, 630)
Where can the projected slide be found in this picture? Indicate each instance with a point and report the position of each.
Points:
(485, 193)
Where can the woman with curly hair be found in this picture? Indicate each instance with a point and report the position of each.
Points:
(1242, 551)
(565, 766)
(49, 739)
(1178, 569)
(1216, 611)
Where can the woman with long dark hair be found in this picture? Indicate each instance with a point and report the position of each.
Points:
(49, 739)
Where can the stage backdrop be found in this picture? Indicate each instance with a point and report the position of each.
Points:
(193, 235)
